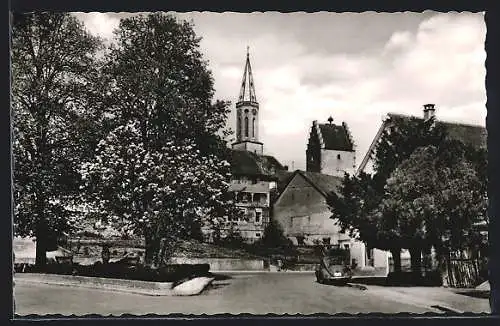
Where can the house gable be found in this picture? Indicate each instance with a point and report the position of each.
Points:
(300, 194)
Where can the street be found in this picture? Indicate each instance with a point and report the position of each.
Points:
(256, 293)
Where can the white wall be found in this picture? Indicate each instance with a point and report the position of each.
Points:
(358, 252)
(381, 259)
(332, 165)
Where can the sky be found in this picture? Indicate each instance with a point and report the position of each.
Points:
(355, 67)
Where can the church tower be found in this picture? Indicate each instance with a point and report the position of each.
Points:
(247, 115)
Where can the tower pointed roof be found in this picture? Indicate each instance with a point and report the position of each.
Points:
(247, 91)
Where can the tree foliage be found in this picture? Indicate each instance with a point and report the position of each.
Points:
(433, 199)
(162, 172)
(54, 72)
(352, 206)
(273, 236)
(414, 198)
(359, 195)
(399, 141)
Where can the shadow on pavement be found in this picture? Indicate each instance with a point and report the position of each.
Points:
(475, 294)
(220, 277)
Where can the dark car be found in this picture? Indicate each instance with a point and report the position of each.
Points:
(333, 270)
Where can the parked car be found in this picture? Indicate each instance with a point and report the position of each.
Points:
(334, 269)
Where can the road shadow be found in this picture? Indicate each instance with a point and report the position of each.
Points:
(220, 277)
(214, 286)
(475, 294)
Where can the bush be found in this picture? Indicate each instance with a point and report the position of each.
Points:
(168, 273)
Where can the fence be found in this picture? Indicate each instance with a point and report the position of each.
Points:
(463, 273)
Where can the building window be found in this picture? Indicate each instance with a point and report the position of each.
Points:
(257, 235)
(246, 126)
(326, 241)
(238, 129)
(253, 127)
(338, 156)
(346, 246)
(258, 216)
(293, 196)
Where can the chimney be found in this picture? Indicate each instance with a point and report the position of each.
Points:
(429, 111)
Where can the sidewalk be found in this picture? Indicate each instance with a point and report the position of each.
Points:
(437, 297)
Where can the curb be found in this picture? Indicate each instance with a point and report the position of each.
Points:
(357, 286)
(260, 272)
(109, 284)
(447, 309)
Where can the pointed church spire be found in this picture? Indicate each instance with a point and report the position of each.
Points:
(247, 91)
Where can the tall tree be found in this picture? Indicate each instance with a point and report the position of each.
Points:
(163, 171)
(408, 202)
(273, 236)
(54, 70)
(400, 140)
(355, 206)
(351, 206)
(435, 196)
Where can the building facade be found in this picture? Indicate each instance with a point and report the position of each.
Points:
(305, 217)
(301, 207)
(255, 176)
(330, 149)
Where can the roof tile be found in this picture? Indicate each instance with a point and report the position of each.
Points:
(336, 137)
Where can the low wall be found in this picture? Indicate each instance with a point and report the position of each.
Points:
(300, 267)
(224, 264)
(121, 285)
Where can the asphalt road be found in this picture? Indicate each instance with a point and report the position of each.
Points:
(244, 293)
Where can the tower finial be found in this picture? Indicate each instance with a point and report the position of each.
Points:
(330, 119)
(247, 79)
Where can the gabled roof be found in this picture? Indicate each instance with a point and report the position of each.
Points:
(283, 177)
(468, 134)
(250, 164)
(324, 183)
(333, 137)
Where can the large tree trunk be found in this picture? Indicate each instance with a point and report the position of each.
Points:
(151, 248)
(416, 260)
(396, 258)
(166, 250)
(41, 243)
(442, 262)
